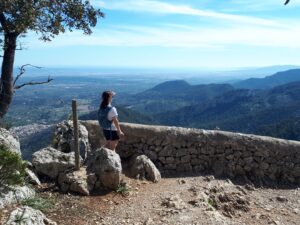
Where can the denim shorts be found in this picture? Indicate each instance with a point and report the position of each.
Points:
(111, 135)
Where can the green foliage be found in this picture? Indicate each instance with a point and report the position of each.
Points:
(49, 18)
(287, 129)
(39, 203)
(123, 189)
(212, 202)
(20, 219)
(12, 167)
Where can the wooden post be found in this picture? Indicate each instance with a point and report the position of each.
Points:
(76, 142)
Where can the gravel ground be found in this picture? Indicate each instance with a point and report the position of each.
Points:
(186, 200)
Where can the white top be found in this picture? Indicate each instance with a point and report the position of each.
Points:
(112, 113)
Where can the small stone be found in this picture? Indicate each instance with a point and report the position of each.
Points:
(209, 178)
(181, 181)
(250, 187)
(281, 199)
(296, 211)
(148, 221)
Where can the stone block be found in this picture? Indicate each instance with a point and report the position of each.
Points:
(170, 167)
(166, 151)
(170, 160)
(185, 159)
(182, 152)
(186, 167)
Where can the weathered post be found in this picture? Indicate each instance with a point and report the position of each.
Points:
(76, 142)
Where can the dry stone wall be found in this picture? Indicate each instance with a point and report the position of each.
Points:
(175, 150)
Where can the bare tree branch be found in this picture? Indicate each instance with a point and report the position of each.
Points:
(33, 83)
(22, 71)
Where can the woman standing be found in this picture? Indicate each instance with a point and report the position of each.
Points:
(108, 120)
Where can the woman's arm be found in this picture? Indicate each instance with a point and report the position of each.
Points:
(116, 122)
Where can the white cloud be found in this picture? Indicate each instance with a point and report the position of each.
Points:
(155, 7)
(237, 32)
(177, 36)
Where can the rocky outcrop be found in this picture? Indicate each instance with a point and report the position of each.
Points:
(9, 141)
(106, 165)
(175, 150)
(142, 167)
(64, 139)
(74, 181)
(50, 162)
(14, 194)
(28, 216)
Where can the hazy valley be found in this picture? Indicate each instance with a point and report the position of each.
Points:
(267, 105)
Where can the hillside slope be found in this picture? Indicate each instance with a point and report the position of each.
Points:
(277, 79)
(249, 111)
(125, 115)
(172, 95)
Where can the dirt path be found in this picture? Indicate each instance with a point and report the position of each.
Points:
(174, 201)
(189, 200)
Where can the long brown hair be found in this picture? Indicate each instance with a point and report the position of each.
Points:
(105, 99)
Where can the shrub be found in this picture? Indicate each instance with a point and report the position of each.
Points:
(12, 167)
(123, 189)
(212, 202)
(39, 203)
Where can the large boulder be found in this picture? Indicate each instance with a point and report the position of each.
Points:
(64, 138)
(74, 181)
(28, 216)
(106, 165)
(143, 168)
(8, 140)
(10, 195)
(51, 162)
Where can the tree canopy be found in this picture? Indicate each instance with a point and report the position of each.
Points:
(47, 18)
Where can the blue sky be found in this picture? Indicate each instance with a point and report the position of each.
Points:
(197, 34)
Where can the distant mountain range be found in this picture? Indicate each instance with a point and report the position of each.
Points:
(240, 110)
(172, 95)
(257, 106)
(125, 115)
(268, 106)
(270, 81)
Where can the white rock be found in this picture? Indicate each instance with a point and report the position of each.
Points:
(11, 142)
(106, 164)
(28, 216)
(74, 181)
(32, 178)
(51, 162)
(64, 138)
(142, 167)
(15, 194)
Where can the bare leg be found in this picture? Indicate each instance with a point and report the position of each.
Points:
(113, 145)
(107, 144)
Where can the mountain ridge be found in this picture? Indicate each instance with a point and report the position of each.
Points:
(276, 79)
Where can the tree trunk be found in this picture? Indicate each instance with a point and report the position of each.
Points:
(6, 82)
